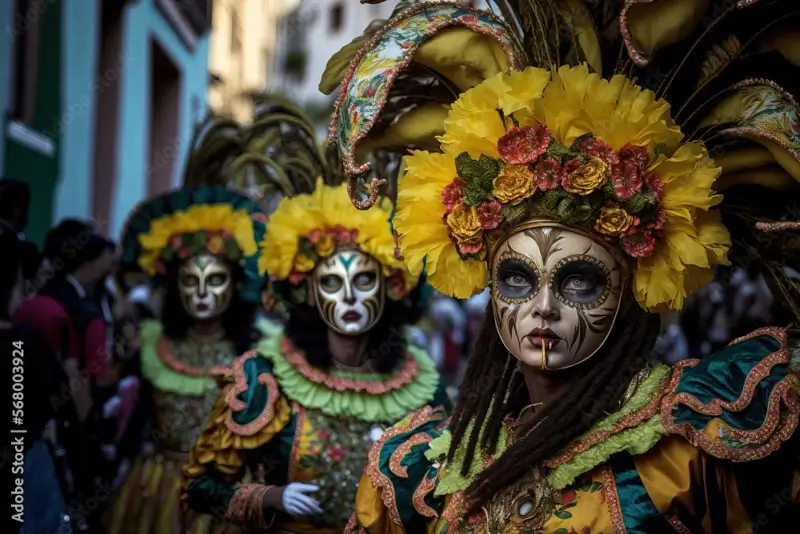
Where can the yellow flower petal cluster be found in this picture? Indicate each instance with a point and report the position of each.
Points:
(325, 209)
(196, 218)
(571, 102)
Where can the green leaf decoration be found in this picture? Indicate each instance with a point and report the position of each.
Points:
(476, 193)
(557, 531)
(607, 189)
(594, 487)
(577, 142)
(639, 202)
(558, 151)
(566, 209)
(479, 171)
(232, 250)
(659, 149)
(199, 239)
(561, 514)
(298, 294)
(307, 247)
(513, 213)
(168, 254)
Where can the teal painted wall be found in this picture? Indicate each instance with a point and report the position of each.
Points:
(80, 49)
(21, 162)
(143, 21)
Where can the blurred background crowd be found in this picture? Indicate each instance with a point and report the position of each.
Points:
(99, 102)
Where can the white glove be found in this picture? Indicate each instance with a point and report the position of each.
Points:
(297, 503)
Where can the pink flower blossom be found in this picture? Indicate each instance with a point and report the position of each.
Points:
(175, 241)
(655, 186)
(314, 236)
(596, 148)
(522, 146)
(490, 214)
(160, 268)
(566, 169)
(468, 248)
(183, 253)
(628, 175)
(451, 194)
(296, 278)
(638, 244)
(658, 222)
(547, 174)
(398, 285)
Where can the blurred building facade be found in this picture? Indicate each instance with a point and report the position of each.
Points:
(310, 35)
(100, 98)
(242, 48)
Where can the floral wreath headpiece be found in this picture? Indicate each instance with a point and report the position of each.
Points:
(193, 221)
(307, 228)
(599, 154)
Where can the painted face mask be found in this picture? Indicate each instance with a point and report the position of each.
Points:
(349, 291)
(206, 286)
(556, 289)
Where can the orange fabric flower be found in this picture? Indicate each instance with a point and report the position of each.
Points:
(613, 221)
(586, 178)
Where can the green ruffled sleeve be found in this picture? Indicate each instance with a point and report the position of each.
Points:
(247, 415)
(739, 404)
(396, 493)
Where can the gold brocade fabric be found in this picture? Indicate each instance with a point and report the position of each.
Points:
(149, 500)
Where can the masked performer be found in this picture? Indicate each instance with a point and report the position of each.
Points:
(308, 404)
(199, 246)
(574, 176)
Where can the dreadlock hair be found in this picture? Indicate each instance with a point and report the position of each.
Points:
(492, 388)
(387, 342)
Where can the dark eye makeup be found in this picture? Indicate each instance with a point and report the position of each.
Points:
(581, 282)
(516, 279)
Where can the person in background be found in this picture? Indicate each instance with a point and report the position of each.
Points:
(45, 505)
(72, 321)
(15, 197)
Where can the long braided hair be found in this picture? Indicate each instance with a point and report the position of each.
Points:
(493, 389)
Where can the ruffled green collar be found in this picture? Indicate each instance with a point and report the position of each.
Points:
(168, 376)
(636, 427)
(371, 397)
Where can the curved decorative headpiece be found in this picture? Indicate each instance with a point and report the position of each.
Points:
(627, 147)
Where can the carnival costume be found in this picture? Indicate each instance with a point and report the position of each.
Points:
(199, 246)
(578, 175)
(295, 417)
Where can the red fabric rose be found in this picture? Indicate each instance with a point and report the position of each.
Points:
(314, 236)
(490, 214)
(175, 241)
(468, 248)
(638, 244)
(296, 278)
(566, 169)
(628, 175)
(568, 497)
(596, 148)
(655, 186)
(522, 146)
(451, 194)
(547, 174)
(183, 253)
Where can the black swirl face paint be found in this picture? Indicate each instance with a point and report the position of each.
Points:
(350, 291)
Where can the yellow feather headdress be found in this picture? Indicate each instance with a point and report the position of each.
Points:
(619, 117)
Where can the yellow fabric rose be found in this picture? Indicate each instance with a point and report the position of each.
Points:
(216, 244)
(514, 184)
(303, 263)
(464, 222)
(613, 221)
(587, 178)
(325, 246)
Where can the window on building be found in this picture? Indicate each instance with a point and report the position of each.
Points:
(337, 17)
(25, 30)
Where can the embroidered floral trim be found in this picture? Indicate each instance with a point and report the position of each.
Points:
(165, 354)
(612, 499)
(677, 524)
(380, 481)
(455, 510)
(404, 376)
(773, 431)
(352, 526)
(423, 490)
(410, 44)
(631, 420)
(236, 405)
(403, 450)
(237, 507)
